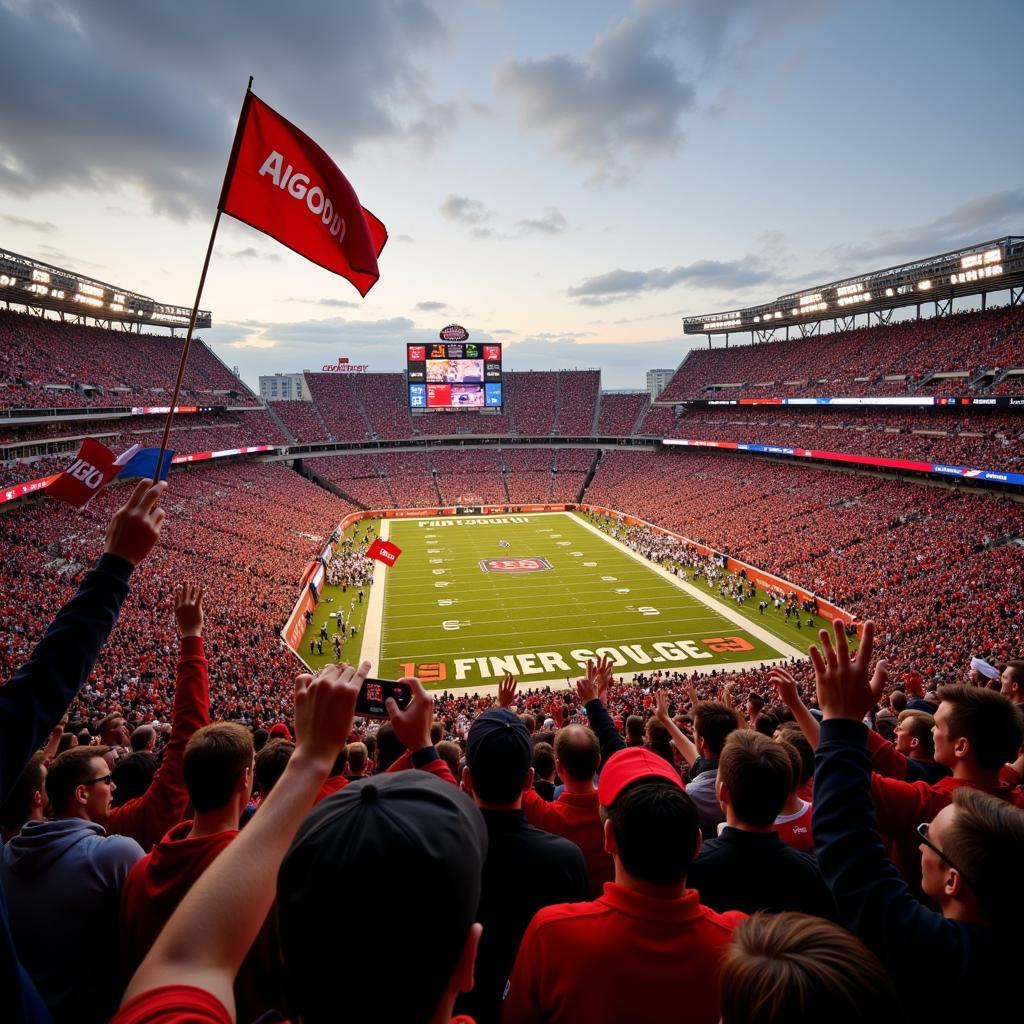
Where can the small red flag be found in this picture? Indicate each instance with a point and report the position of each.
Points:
(384, 551)
(94, 467)
(281, 182)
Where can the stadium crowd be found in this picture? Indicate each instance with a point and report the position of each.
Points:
(663, 851)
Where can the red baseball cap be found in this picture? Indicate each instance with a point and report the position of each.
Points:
(627, 766)
(280, 731)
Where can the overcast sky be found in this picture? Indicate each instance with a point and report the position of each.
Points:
(568, 178)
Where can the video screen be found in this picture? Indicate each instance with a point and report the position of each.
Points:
(453, 376)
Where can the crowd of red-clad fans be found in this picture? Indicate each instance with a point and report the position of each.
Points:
(809, 843)
(53, 364)
(858, 362)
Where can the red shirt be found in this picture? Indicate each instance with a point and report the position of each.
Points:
(183, 1004)
(624, 957)
(575, 817)
(331, 785)
(159, 882)
(796, 831)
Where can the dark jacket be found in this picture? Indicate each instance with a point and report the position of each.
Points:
(32, 703)
(526, 869)
(944, 970)
(753, 871)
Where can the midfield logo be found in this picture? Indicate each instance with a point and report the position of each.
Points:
(514, 564)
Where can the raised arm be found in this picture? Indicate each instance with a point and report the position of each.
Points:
(873, 900)
(149, 816)
(208, 936)
(591, 690)
(682, 742)
(412, 727)
(38, 694)
(789, 694)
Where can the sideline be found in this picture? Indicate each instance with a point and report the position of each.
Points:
(735, 617)
(370, 647)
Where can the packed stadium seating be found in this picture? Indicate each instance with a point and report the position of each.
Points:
(858, 361)
(619, 413)
(47, 363)
(302, 421)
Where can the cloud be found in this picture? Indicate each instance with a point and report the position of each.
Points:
(286, 347)
(622, 101)
(250, 253)
(464, 210)
(551, 223)
(156, 95)
(977, 220)
(406, 239)
(334, 303)
(44, 227)
(625, 100)
(430, 307)
(616, 285)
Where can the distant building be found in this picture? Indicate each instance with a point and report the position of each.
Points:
(656, 381)
(284, 387)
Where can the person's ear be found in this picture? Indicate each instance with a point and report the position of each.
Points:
(954, 883)
(462, 976)
(528, 784)
(611, 845)
(467, 781)
(962, 747)
(722, 793)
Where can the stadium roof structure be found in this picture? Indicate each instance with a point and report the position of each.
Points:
(40, 287)
(979, 269)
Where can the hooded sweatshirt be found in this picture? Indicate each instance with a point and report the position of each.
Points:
(62, 880)
(155, 887)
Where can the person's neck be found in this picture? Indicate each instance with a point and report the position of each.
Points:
(516, 805)
(576, 787)
(793, 804)
(964, 912)
(652, 890)
(209, 823)
(916, 755)
(970, 771)
(733, 822)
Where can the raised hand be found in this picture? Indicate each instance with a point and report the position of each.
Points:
(785, 686)
(846, 686)
(590, 687)
(325, 706)
(507, 691)
(188, 609)
(412, 726)
(661, 708)
(136, 525)
(556, 710)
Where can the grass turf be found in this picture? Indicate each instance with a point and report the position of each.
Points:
(454, 624)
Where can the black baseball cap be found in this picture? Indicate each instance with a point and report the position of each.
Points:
(499, 753)
(390, 865)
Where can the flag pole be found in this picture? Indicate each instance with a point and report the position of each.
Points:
(199, 290)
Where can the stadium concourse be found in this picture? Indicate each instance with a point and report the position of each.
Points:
(111, 772)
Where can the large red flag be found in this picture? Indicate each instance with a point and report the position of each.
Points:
(384, 551)
(94, 467)
(281, 182)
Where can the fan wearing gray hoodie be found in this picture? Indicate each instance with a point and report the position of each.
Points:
(62, 879)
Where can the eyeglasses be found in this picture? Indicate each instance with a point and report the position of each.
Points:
(922, 831)
(102, 778)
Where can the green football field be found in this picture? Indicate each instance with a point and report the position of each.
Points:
(460, 608)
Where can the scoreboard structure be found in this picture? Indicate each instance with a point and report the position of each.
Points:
(454, 376)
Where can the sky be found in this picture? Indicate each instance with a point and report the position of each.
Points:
(568, 178)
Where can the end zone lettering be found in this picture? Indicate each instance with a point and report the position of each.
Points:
(429, 524)
(625, 656)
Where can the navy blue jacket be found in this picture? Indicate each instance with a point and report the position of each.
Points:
(31, 705)
(944, 970)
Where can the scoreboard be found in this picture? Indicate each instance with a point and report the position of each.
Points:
(450, 375)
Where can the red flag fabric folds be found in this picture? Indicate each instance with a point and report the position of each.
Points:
(94, 467)
(384, 551)
(281, 182)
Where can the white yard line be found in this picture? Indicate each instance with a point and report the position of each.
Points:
(735, 617)
(370, 650)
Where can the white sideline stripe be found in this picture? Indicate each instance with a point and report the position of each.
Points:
(370, 650)
(724, 610)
